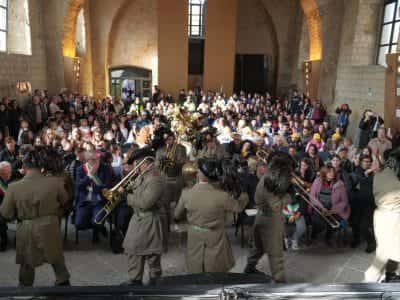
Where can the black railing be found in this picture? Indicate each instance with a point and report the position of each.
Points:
(226, 287)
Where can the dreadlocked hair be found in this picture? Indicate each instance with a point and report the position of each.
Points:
(33, 159)
(277, 180)
(53, 162)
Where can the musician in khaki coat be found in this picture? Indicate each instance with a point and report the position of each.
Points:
(38, 202)
(170, 159)
(209, 248)
(143, 240)
(271, 197)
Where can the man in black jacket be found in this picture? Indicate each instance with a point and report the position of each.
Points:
(36, 114)
(364, 204)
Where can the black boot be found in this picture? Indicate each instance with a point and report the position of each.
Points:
(154, 281)
(371, 247)
(391, 277)
(252, 270)
(132, 283)
(65, 283)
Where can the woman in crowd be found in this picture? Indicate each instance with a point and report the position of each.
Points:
(312, 154)
(328, 193)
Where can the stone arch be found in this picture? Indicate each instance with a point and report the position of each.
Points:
(70, 21)
(111, 41)
(114, 26)
(314, 24)
(112, 46)
(275, 40)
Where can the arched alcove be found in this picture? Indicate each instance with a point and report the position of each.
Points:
(18, 27)
(80, 37)
(314, 26)
(255, 20)
(70, 27)
(133, 38)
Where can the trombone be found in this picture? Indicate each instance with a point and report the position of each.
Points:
(113, 195)
(305, 195)
(302, 192)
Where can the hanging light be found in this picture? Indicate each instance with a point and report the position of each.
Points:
(23, 87)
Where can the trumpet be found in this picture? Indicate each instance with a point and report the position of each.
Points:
(114, 195)
(305, 195)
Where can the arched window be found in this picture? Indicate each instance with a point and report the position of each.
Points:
(17, 33)
(3, 25)
(196, 18)
(80, 34)
(389, 30)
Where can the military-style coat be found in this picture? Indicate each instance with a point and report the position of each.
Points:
(38, 202)
(145, 232)
(208, 249)
(269, 223)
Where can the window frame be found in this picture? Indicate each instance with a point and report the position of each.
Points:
(5, 30)
(393, 21)
(200, 26)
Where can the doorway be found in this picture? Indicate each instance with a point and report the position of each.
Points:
(251, 73)
(130, 82)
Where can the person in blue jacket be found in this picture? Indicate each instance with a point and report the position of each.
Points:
(91, 178)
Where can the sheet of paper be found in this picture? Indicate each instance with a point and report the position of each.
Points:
(251, 212)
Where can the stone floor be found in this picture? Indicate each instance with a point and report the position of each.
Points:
(96, 265)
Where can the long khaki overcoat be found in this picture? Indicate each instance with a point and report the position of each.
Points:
(269, 223)
(38, 202)
(145, 232)
(208, 249)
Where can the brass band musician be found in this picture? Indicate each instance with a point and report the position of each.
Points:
(271, 197)
(38, 211)
(144, 239)
(208, 248)
(170, 160)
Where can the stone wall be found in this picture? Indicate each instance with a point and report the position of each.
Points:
(360, 82)
(135, 37)
(102, 14)
(14, 67)
(286, 16)
(173, 45)
(253, 20)
(349, 73)
(220, 45)
(331, 13)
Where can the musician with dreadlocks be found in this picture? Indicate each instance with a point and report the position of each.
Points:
(271, 197)
(38, 211)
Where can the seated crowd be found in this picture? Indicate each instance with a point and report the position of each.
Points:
(337, 174)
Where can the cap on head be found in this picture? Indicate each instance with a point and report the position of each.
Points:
(139, 154)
